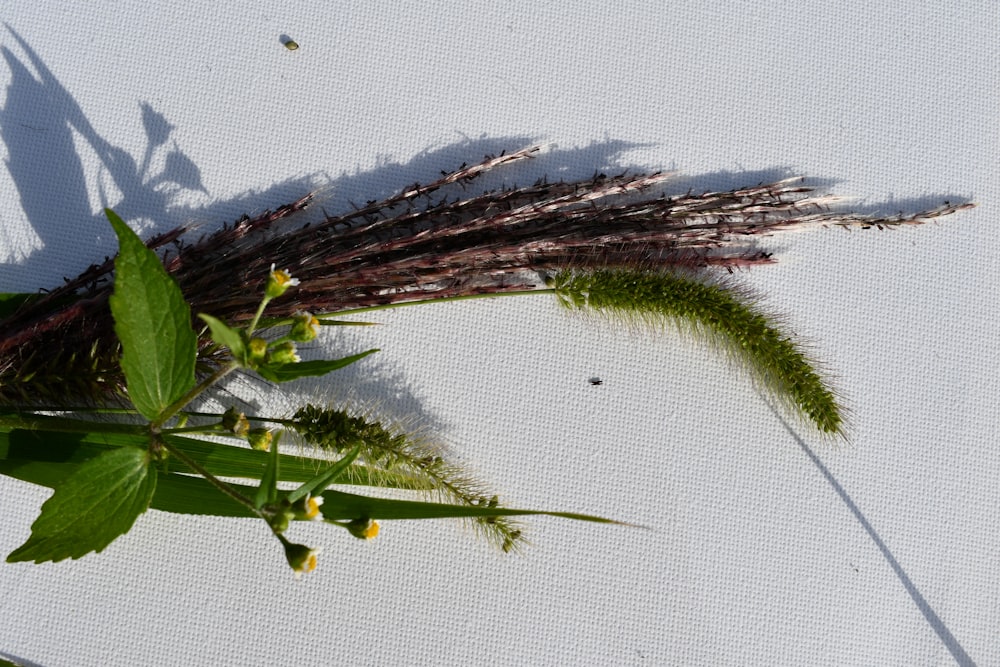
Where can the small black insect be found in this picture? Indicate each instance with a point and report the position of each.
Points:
(596, 381)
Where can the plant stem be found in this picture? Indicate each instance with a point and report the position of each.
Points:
(205, 429)
(209, 477)
(179, 404)
(256, 316)
(32, 422)
(420, 302)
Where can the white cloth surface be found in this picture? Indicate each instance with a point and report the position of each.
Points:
(761, 550)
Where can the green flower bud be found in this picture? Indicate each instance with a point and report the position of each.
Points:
(305, 327)
(256, 352)
(279, 522)
(260, 439)
(283, 353)
(364, 529)
(235, 422)
(307, 509)
(300, 557)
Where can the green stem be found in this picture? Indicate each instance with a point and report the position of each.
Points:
(209, 477)
(209, 429)
(66, 425)
(421, 302)
(256, 317)
(179, 404)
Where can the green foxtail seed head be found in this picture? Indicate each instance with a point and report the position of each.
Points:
(712, 309)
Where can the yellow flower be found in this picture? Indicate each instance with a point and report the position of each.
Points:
(278, 283)
(301, 558)
(364, 529)
(257, 351)
(308, 508)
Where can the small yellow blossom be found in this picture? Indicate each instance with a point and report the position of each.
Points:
(308, 508)
(278, 283)
(364, 529)
(257, 351)
(301, 558)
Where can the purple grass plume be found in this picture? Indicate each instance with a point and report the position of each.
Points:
(426, 242)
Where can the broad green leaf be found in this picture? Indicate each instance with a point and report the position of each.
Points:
(183, 494)
(153, 323)
(289, 372)
(92, 506)
(225, 335)
(324, 479)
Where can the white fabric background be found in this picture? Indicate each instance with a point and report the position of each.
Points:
(885, 551)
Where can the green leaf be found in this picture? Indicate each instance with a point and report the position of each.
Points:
(288, 372)
(267, 492)
(324, 479)
(341, 506)
(153, 323)
(92, 506)
(183, 494)
(225, 335)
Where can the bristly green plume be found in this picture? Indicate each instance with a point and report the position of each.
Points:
(709, 308)
(389, 449)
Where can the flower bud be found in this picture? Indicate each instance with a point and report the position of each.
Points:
(364, 529)
(278, 283)
(301, 558)
(235, 422)
(283, 353)
(307, 509)
(256, 352)
(305, 327)
(260, 439)
(279, 522)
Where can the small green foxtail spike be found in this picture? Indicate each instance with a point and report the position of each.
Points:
(387, 448)
(718, 311)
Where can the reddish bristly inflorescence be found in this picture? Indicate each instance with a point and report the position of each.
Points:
(425, 242)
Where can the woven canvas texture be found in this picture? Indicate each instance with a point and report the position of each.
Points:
(760, 546)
